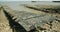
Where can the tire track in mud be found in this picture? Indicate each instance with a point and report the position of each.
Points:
(4, 22)
(47, 10)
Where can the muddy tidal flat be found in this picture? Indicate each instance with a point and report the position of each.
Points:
(27, 16)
